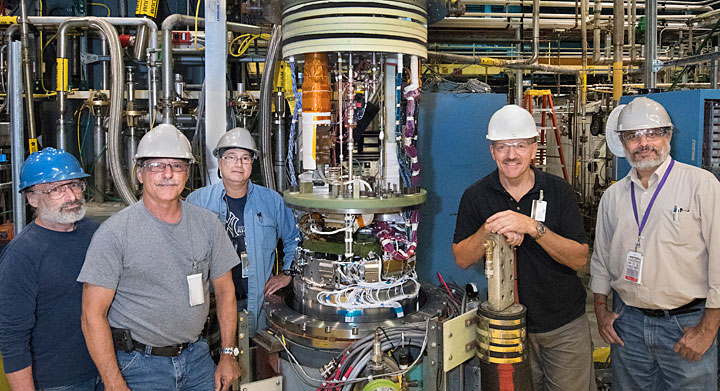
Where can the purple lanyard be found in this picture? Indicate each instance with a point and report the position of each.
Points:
(652, 200)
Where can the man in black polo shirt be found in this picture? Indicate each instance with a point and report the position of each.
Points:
(551, 246)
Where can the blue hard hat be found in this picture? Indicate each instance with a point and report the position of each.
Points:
(49, 165)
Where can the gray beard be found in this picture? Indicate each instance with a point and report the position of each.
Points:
(648, 164)
(61, 217)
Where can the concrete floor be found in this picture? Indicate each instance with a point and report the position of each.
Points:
(584, 274)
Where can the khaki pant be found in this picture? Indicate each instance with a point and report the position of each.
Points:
(561, 359)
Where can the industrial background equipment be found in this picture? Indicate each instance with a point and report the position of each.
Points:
(370, 119)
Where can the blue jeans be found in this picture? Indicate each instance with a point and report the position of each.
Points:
(191, 370)
(94, 384)
(648, 362)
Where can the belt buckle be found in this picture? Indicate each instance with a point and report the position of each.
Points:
(179, 350)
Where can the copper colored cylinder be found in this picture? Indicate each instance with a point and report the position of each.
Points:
(316, 91)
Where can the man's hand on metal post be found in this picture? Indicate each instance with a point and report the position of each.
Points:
(605, 321)
(227, 371)
(509, 221)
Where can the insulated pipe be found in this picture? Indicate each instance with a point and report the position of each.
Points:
(266, 93)
(494, 62)
(618, 38)
(650, 44)
(571, 4)
(15, 88)
(116, 94)
(536, 35)
(27, 79)
(167, 59)
(52, 21)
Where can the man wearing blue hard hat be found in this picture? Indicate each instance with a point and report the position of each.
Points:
(40, 300)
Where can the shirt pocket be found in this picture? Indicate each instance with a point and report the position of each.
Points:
(676, 226)
(267, 227)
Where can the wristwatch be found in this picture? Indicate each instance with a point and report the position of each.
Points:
(541, 229)
(287, 272)
(233, 351)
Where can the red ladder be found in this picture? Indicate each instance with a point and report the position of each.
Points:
(542, 100)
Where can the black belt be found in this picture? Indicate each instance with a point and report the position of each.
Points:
(686, 309)
(165, 351)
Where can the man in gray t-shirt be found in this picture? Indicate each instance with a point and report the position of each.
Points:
(146, 282)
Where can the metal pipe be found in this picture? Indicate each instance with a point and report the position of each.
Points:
(16, 131)
(618, 56)
(280, 142)
(266, 84)
(508, 23)
(116, 94)
(51, 21)
(583, 36)
(494, 62)
(571, 4)
(631, 38)
(650, 44)
(519, 73)
(27, 77)
(167, 59)
(596, 31)
(100, 161)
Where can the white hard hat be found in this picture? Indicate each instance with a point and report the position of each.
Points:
(164, 141)
(236, 138)
(643, 113)
(612, 137)
(511, 122)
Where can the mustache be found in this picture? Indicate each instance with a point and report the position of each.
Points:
(166, 183)
(644, 148)
(71, 204)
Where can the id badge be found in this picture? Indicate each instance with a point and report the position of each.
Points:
(539, 208)
(245, 264)
(195, 289)
(633, 267)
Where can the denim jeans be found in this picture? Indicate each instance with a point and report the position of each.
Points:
(648, 362)
(94, 384)
(191, 370)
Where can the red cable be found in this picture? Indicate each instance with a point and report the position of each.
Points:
(446, 288)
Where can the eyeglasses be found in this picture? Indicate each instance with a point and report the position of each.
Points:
(650, 134)
(520, 146)
(160, 166)
(232, 159)
(58, 192)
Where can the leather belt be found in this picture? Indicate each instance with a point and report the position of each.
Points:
(165, 351)
(686, 309)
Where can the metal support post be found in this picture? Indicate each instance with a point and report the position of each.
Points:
(15, 95)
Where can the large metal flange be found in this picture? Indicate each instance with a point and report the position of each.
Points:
(317, 333)
(322, 202)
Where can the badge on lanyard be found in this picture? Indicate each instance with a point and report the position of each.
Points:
(634, 259)
(195, 287)
(633, 267)
(539, 207)
(245, 262)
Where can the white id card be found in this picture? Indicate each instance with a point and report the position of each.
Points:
(633, 267)
(195, 288)
(539, 208)
(245, 264)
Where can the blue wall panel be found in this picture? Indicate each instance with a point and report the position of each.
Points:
(687, 111)
(453, 155)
